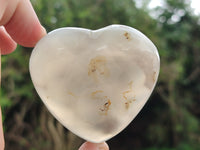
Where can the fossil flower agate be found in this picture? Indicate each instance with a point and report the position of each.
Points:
(95, 81)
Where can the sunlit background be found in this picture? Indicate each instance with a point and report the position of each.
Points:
(195, 4)
(171, 118)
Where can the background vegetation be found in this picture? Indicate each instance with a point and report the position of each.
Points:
(171, 118)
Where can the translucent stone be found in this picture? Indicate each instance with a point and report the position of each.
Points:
(95, 82)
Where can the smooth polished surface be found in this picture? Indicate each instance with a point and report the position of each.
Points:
(95, 82)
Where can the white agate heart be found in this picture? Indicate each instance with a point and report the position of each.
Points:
(95, 82)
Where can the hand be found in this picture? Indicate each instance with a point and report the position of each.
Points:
(19, 25)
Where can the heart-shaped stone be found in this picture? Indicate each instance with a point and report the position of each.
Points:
(95, 82)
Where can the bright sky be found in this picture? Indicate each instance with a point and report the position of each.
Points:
(195, 4)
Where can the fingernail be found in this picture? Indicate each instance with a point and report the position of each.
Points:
(44, 30)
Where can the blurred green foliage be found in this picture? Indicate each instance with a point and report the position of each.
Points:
(171, 118)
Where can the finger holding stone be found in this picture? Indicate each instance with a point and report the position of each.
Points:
(21, 22)
(94, 146)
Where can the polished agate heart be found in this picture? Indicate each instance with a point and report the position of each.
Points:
(95, 82)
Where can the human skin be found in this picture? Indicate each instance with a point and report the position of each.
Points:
(19, 25)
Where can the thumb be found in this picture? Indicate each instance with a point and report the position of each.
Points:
(94, 146)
